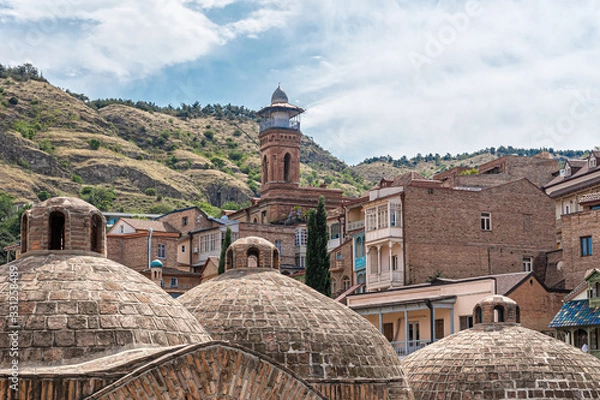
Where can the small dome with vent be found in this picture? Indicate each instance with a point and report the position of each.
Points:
(279, 96)
(499, 359)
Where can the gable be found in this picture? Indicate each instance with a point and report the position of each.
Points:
(121, 227)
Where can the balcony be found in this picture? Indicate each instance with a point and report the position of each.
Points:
(384, 233)
(385, 279)
(352, 226)
(405, 348)
(280, 123)
(333, 243)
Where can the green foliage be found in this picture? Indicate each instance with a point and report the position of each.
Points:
(150, 192)
(209, 209)
(472, 171)
(218, 162)
(21, 73)
(10, 223)
(94, 143)
(160, 209)
(46, 145)
(13, 100)
(76, 178)
(209, 135)
(224, 246)
(100, 197)
(235, 155)
(233, 205)
(317, 259)
(237, 133)
(23, 164)
(27, 129)
(44, 195)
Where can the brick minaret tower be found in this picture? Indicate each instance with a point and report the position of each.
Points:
(280, 139)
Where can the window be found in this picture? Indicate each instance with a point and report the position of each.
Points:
(345, 283)
(183, 248)
(486, 221)
(184, 221)
(394, 263)
(174, 282)
(121, 229)
(338, 255)
(592, 162)
(279, 245)
(395, 214)
(300, 238)
(466, 322)
(382, 216)
(334, 231)
(567, 209)
(333, 286)
(586, 246)
(527, 264)
(162, 250)
(371, 216)
(595, 290)
(301, 261)
(388, 331)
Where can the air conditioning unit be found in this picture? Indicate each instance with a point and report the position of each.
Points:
(195, 249)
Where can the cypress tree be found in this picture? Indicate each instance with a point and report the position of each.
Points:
(317, 259)
(224, 246)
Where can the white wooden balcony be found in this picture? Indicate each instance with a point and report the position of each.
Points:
(280, 123)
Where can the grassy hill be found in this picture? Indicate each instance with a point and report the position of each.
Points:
(142, 158)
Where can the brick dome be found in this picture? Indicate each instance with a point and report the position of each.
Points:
(499, 359)
(319, 339)
(73, 303)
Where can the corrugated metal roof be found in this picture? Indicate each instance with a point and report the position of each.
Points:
(576, 313)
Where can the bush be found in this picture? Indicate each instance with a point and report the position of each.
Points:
(13, 100)
(209, 135)
(237, 133)
(76, 178)
(26, 129)
(160, 209)
(150, 192)
(235, 155)
(44, 195)
(94, 143)
(46, 145)
(102, 198)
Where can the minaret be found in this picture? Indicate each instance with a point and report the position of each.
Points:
(280, 139)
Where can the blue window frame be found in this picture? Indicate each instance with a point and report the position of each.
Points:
(586, 246)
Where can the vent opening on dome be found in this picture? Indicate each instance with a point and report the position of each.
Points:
(96, 241)
(498, 314)
(56, 241)
(24, 231)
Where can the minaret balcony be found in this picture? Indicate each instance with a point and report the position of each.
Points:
(280, 123)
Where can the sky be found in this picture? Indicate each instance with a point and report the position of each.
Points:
(377, 77)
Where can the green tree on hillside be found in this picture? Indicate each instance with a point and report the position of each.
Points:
(317, 259)
(10, 223)
(224, 247)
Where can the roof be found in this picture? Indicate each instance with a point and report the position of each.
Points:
(579, 168)
(145, 225)
(576, 313)
(590, 198)
(181, 210)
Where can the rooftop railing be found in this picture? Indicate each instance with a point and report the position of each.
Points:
(280, 123)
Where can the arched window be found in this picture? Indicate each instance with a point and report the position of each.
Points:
(333, 286)
(229, 260)
(287, 160)
(498, 314)
(56, 240)
(253, 258)
(518, 315)
(478, 315)
(96, 234)
(24, 231)
(360, 250)
(275, 259)
(265, 177)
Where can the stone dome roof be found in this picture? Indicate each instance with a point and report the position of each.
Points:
(314, 336)
(498, 360)
(74, 304)
(279, 96)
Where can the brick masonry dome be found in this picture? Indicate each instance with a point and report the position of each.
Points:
(76, 305)
(321, 340)
(501, 360)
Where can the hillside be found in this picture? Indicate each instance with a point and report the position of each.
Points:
(142, 158)
(53, 143)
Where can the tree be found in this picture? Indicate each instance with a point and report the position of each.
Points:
(224, 247)
(317, 259)
(10, 223)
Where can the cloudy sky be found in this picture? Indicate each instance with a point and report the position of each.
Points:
(376, 77)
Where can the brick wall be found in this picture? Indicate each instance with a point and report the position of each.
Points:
(538, 306)
(442, 229)
(575, 226)
(132, 250)
(272, 233)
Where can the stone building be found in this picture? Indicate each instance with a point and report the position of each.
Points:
(417, 229)
(332, 348)
(86, 327)
(499, 359)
